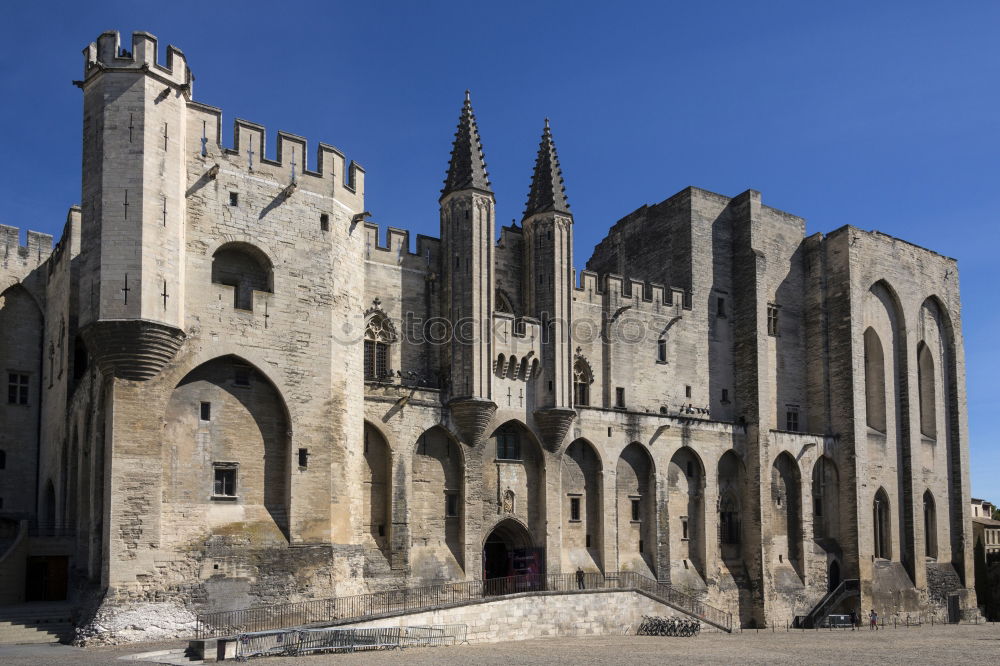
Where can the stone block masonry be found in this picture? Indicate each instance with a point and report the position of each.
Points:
(222, 388)
(540, 615)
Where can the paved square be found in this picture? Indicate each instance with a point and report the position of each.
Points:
(965, 644)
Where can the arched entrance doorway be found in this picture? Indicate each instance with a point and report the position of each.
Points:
(508, 552)
(833, 580)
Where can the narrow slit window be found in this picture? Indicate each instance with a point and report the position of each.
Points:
(635, 509)
(303, 458)
(206, 411)
(772, 320)
(451, 505)
(661, 350)
(324, 222)
(234, 199)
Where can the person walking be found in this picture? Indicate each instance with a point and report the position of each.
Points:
(579, 578)
(854, 620)
(873, 617)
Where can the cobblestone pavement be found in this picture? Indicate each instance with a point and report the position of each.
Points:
(964, 644)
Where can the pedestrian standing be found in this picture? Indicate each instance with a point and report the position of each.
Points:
(579, 578)
(854, 620)
(873, 616)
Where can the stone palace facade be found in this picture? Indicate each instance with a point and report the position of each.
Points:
(227, 387)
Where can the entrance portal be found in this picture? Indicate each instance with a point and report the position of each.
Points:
(834, 577)
(508, 551)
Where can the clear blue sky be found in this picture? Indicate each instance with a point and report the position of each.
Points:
(882, 115)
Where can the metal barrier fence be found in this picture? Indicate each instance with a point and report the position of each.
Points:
(365, 606)
(292, 642)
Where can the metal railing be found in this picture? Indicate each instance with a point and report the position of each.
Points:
(365, 606)
(846, 588)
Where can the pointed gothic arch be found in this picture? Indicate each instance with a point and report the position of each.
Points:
(376, 483)
(874, 381)
(244, 267)
(582, 502)
(731, 481)
(228, 414)
(686, 508)
(437, 506)
(930, 526)
(635, 503)
(882, 525)
(786, 507)
(927, 391)
(519, 467)
(825, 499)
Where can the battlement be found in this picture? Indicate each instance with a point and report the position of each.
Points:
(107, 54)
(396, 249)
(591, 287)
(290, 164)
(12, 253)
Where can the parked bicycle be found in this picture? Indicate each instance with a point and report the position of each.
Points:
(654, 625)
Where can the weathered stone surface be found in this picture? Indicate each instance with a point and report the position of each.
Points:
(323, 412)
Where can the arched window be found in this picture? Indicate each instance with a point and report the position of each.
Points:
(244, 268)
(379, 334)
(729, 519)
(874, 381)
(925, 380)
(582, 379)
(825, 496)
(930, 526)
(880, 521)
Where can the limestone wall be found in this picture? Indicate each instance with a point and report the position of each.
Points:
(538, 616)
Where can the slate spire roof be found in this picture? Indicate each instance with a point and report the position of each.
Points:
(467, 169)
(547, 192)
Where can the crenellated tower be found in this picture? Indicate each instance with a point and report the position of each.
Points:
(548, 284)
(467, 223)
(134, 127)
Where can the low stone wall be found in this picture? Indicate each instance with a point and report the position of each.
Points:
(536, 615)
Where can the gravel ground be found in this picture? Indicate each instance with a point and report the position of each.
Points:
(965, 644)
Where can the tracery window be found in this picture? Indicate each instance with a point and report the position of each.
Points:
(379, 334)
(582, 379)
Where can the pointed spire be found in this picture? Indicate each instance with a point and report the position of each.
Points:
(547, 192)
(467, 169)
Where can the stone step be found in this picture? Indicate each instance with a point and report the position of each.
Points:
(22, 635)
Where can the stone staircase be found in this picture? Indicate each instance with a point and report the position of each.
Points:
(847, 589)
(36, 623)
